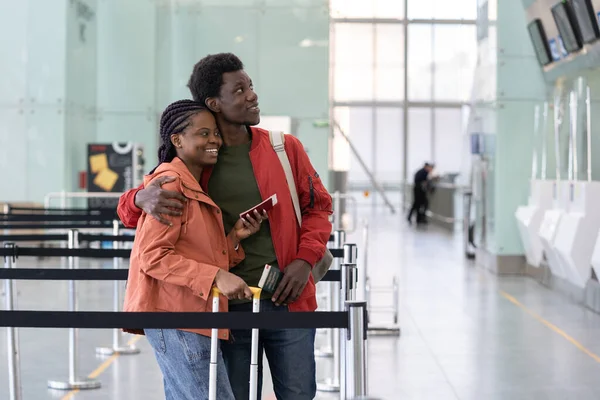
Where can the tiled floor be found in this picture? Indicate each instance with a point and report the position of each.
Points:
(466, 334)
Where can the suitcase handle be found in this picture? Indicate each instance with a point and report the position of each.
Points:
(212, 388)
(256, 291)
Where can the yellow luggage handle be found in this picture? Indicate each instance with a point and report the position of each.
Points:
(255, 292)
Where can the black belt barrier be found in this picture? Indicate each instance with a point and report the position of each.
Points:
(87, 253)
(97, 225)
(32, 238)
(56, 274)
(55, 217)
(83, 237)
(96, 211)
(173, 320)
(58, 252)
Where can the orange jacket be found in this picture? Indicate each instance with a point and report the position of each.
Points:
(173, 268)
(291, 242)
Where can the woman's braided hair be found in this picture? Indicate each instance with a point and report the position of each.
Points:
(175, 119)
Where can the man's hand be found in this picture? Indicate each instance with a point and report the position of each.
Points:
(155, 201)
(295, 278)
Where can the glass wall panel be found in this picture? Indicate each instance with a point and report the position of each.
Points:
(448, 145)
(454, 56)
(442, 9)
(458, 9)
(419, 62)
(389, 62)
(389, 145)
(353, 62)
(360, 131)
(367, 9)
(419, 139)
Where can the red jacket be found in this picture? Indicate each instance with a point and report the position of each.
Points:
(290, 242)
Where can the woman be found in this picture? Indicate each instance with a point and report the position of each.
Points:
(173, 267)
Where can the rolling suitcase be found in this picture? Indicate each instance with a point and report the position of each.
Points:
(214, 343)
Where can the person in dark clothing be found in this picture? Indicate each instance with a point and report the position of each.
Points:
(420, 194)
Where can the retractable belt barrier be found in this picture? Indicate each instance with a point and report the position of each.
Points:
(89, 274)
(87, 253)
(83, 237)
(97, 225)
(172, 320)
(353, 319)
(57, 217)
(57, 274)
(10, 210)
(32, 238)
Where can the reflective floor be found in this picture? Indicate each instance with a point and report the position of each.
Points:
(466, 334)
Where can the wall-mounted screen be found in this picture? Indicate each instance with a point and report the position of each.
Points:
(567, 26)
(586, 20)
(540, 41)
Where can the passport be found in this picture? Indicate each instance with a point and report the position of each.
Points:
(270, 278)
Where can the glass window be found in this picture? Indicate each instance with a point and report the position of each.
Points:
(354, 83)
(389, 61)
(353, 44)
(457, 9)
(353, 75)
(389, 144)
(419, 139)
(454, 55)
(351, 9)
(419, 62)
(420, 9)
(339, 148)
(366, 9)
(448, 143)
(442, 9)
(388, 9)
(360, 131)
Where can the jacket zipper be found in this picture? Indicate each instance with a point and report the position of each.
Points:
(312, 192)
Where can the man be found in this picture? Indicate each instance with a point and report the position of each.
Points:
(420, 194)
(248, 170)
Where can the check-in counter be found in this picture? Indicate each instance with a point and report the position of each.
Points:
(578, 231)
(549, 227)
(529, 219)
(445, 204)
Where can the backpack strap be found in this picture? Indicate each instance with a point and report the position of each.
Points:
(277, 141)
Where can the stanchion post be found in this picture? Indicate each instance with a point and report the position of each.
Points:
(356, 370)
(333, 384)
(337, 212)
(117, 347)
(339, 238)
(467, 197)
(12, 334)
(347, 293)
(365, 273)
(74, 382)
(349, 281)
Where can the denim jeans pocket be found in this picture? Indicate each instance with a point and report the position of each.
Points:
(196, 347)
(156, 337)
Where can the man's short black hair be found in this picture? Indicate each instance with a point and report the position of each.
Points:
(207, 77)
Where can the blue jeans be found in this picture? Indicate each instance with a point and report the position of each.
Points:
(290, 352)
(184, 359)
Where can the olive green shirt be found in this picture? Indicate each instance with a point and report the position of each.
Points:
(233, 187)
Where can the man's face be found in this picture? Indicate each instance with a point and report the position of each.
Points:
(237, 100)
